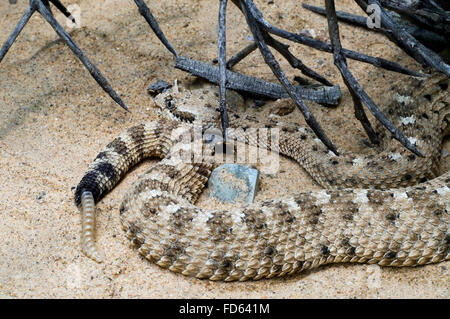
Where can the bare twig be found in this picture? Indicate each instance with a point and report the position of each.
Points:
(222, 43)
(296, 63)
(101, 80)
(235, 59)
(146, 13)
(257, 87)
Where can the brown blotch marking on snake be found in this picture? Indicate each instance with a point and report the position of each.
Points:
(169, 170)
(420, 188)
(351, 209)
(347, 216)
(251, 119)
(305, 200)
(217, 223)
(254, 219)
(285, 213)
(412, 194)
(118, 146)
(324, 250)
(334, 161)
(269, 251)
(133, 231)
(350, 250)
(351, 181)
(267, 203)
(181, 218)
(137, 133)
(122, 207)
(101, 155)
(289, 129)
(392, 216)
(224, 265)
(377, 198)
(439, 212)
(314, 214)
(406, 177)
(437, 209)
(164, 187)
(149, 209)
(423, 180)
(174, 251)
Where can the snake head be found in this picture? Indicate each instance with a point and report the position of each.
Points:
(197, 105)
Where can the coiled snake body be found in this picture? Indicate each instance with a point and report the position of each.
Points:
(388, 209)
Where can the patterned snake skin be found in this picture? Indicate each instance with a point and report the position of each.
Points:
(390, 209)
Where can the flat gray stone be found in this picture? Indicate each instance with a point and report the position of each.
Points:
(232, 183)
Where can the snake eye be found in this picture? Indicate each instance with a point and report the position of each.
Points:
(170, 104)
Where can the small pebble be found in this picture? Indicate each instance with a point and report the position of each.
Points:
(40, 195)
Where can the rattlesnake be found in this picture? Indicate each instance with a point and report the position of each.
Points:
(388, 209)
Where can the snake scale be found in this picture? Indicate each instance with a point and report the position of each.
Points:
(391, 208)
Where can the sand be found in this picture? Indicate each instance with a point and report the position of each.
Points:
(54, 119)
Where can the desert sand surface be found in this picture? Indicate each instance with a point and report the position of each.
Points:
(54, 119)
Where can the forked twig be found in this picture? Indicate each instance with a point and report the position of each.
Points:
(358, 93)
(429, 11)
(278, 72)
(407, 42)
(427, 37)
(43, 7)
(235, 80)
(322, 46)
